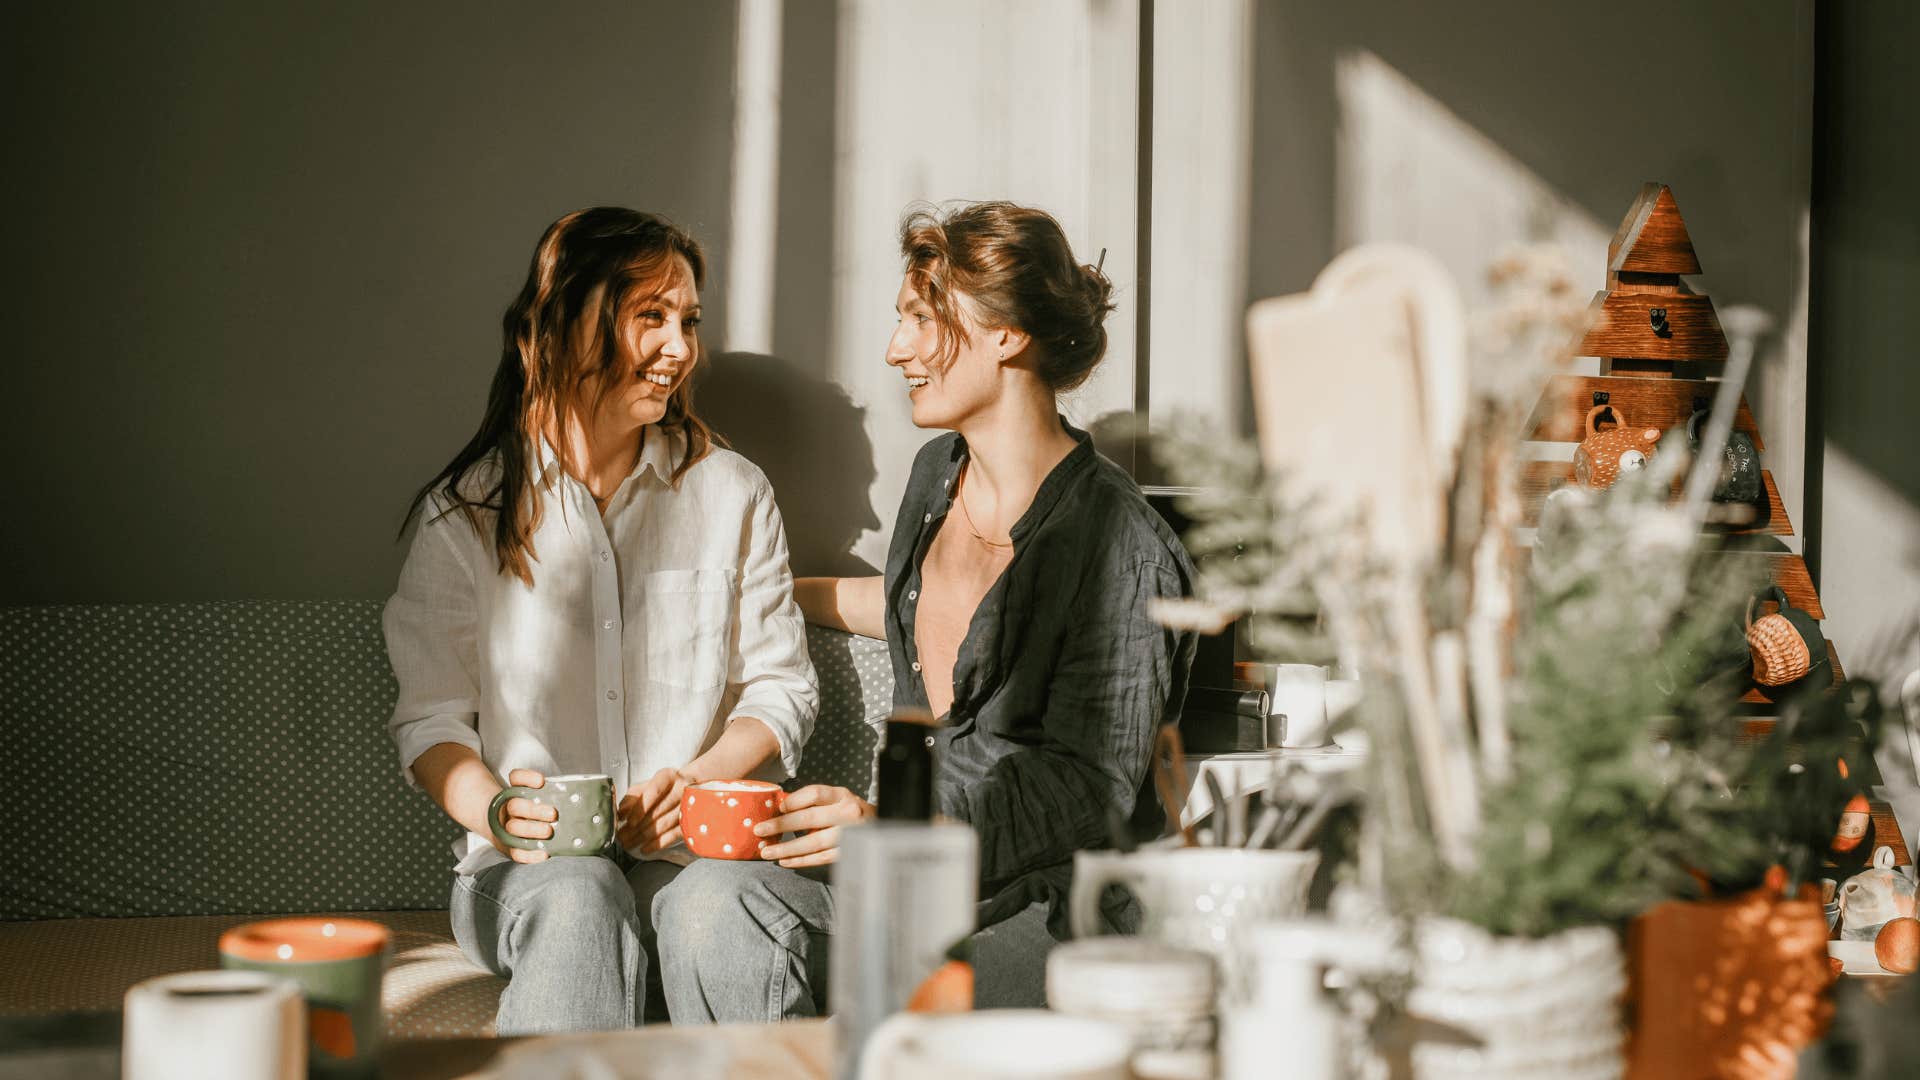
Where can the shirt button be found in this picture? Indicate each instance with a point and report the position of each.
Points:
(926, 519)
(913, 594)
(608, 625)
(605, 555)
(612, 695)
(916, 665)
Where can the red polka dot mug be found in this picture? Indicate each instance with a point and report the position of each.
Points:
(718, 817)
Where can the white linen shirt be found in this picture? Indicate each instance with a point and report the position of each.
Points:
(644, 634)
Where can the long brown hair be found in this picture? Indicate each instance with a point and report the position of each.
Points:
(1016, 267)
(586, 266)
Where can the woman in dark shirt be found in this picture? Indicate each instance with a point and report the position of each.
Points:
(1015, 604)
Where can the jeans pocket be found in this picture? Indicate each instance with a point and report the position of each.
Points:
(689, 618)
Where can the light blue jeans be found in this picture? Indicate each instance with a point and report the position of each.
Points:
(746, 942)
(569, 936)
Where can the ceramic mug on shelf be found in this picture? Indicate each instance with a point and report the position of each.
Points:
(585, 804)
(997, 1044)
(718, 817)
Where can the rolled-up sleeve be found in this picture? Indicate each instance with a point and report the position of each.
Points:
(769, 660)
(430, 624)
(1110, 690)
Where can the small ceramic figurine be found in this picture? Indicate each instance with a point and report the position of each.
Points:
(1871, 897)
(1856, 821)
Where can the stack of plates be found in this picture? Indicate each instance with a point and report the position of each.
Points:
(1162, 993)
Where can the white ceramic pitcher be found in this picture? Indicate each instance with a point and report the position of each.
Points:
(1200, 898)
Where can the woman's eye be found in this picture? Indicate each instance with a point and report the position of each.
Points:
(691, 323)
(650, 315)
(920, 320)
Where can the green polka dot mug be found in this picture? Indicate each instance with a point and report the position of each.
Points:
(585, 805)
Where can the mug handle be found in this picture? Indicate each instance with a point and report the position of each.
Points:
(499, 804)
(876, 1058)
(1090, 880)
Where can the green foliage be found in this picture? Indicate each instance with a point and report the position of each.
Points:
(1628, 778)
(1602, 816)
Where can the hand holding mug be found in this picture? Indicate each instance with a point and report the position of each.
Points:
(552, 815)
(650, 813)
(525, 819)
(817, 811)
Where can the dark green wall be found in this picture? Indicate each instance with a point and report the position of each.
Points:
(256, 257)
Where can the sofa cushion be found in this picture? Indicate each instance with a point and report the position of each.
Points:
(87, 965)
(210, 758)
(856, 697)
(232, 758)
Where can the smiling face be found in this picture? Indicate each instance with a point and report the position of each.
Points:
(657, 344)
(945, 390)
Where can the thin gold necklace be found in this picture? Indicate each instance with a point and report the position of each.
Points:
(971, 527)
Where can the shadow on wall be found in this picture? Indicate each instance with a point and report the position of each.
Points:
(811, 440)
(1710, 101)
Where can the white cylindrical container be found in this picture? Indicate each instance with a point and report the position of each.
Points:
(903, 894)
(215, 1025)
(1299, 692)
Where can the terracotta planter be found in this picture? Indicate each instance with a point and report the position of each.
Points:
(1546, 1007)
(1732, 988)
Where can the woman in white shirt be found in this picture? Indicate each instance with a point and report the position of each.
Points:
(594, 586)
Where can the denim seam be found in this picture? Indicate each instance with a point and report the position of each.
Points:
(783, 958)
(509, 924)
(466, 883)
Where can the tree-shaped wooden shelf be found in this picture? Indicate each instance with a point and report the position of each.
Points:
(1661, 351)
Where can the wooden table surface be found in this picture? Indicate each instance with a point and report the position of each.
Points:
(796, 1050)
(87, 1047)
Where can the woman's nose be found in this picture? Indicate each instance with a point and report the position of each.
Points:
(897, 351)
(675, 347)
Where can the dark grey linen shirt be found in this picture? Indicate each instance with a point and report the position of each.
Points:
(1063, 678)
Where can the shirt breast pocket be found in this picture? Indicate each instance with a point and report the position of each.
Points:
(689, 627)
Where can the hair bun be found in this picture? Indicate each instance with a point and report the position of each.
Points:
(1097, 288)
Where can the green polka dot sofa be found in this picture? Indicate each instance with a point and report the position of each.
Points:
(183, 768)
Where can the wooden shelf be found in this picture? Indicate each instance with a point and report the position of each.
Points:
(1561, 414)
(1621, 327)
(1540, 478)
(1789, 571)
(1886, 832)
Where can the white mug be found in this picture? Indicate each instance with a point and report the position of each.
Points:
(215, 1025)
(1198, 898)
(997, 1044)
(1299, 692)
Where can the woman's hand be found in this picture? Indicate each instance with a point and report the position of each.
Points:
(526, 818)
(816, 811)
(649, 813)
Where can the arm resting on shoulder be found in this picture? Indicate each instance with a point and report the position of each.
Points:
(854, 604)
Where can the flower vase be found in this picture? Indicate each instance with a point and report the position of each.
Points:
(1732, 987)
(1518, 1007)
